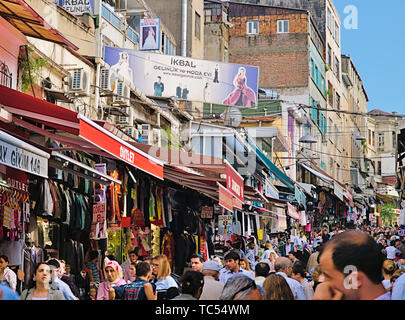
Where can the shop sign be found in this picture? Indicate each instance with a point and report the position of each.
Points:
(287, 196)
(22, 159)
(338, 190)
(349, 197)
(292, 212)
(17, 179)
(110, 143)
(271, 191)
(225, 198)
(207, 212)
(234, 182)
(282, 223)
(260, 234)
(77, 7)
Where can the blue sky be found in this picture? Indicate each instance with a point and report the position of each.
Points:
(377, 49)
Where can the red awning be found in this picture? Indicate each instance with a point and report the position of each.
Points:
(40, 111)
(30, 23)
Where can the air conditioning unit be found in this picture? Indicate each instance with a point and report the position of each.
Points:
(132, 132)
(121, 94)
(127, 120)
(107, 81)
(157, 138)
(79, 82)
(146, 133)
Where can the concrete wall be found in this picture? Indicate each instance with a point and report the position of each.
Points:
(171, 17)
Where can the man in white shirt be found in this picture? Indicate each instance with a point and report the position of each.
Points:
(7, 276)
(391, 251)
(298, 273)
(212, 288)
(283, 267)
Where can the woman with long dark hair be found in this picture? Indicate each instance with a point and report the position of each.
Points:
(40, 287)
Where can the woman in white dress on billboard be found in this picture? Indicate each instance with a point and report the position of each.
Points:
(122, 68)
(150, 41)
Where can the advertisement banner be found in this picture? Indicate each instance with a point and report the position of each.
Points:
(234, 182)
(186, 78)
(149, 34)
(224, 224)
(22, 159)
(77, 7)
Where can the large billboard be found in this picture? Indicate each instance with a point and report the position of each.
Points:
(186, 78)
(149, 34)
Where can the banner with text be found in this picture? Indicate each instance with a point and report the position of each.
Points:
(186, 78)
(77, 7)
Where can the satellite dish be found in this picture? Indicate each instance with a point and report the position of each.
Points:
(233, 117)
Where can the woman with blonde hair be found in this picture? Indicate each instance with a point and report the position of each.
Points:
(166, 286)
(388, 270)
(244, 264)
(277, 288)
(269, 249)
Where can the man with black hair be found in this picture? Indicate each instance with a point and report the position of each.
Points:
(191, 284)
(351, 263)
(298, 273)
(133, 256)
(232, 263)
(262, 270)
(139, 289)
(197, 262)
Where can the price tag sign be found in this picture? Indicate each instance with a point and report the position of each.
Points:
(207, 212)
(99, 212)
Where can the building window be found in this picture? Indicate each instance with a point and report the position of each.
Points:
(328, 18)
(322, 84)
(329, 56)
(252, 27)
(337, 101)
(379, 168)
(373, 137)
(337, 68)
(283, 26)
(394, 142)
(380, 142)
(336, 33)
(313, 68)
(317, 76)
(197, 25)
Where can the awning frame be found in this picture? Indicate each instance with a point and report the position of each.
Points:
(84, 166)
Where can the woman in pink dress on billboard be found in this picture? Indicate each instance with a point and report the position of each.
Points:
(242, 95)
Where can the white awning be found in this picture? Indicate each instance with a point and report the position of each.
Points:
(318, 174)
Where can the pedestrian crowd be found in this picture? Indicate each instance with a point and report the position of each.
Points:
(364, 263)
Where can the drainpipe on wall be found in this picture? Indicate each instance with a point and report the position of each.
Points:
(99, 50)
(184, 28)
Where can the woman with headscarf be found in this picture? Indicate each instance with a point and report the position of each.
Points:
(113, 278)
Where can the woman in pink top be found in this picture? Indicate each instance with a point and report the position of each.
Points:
(113, 278)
